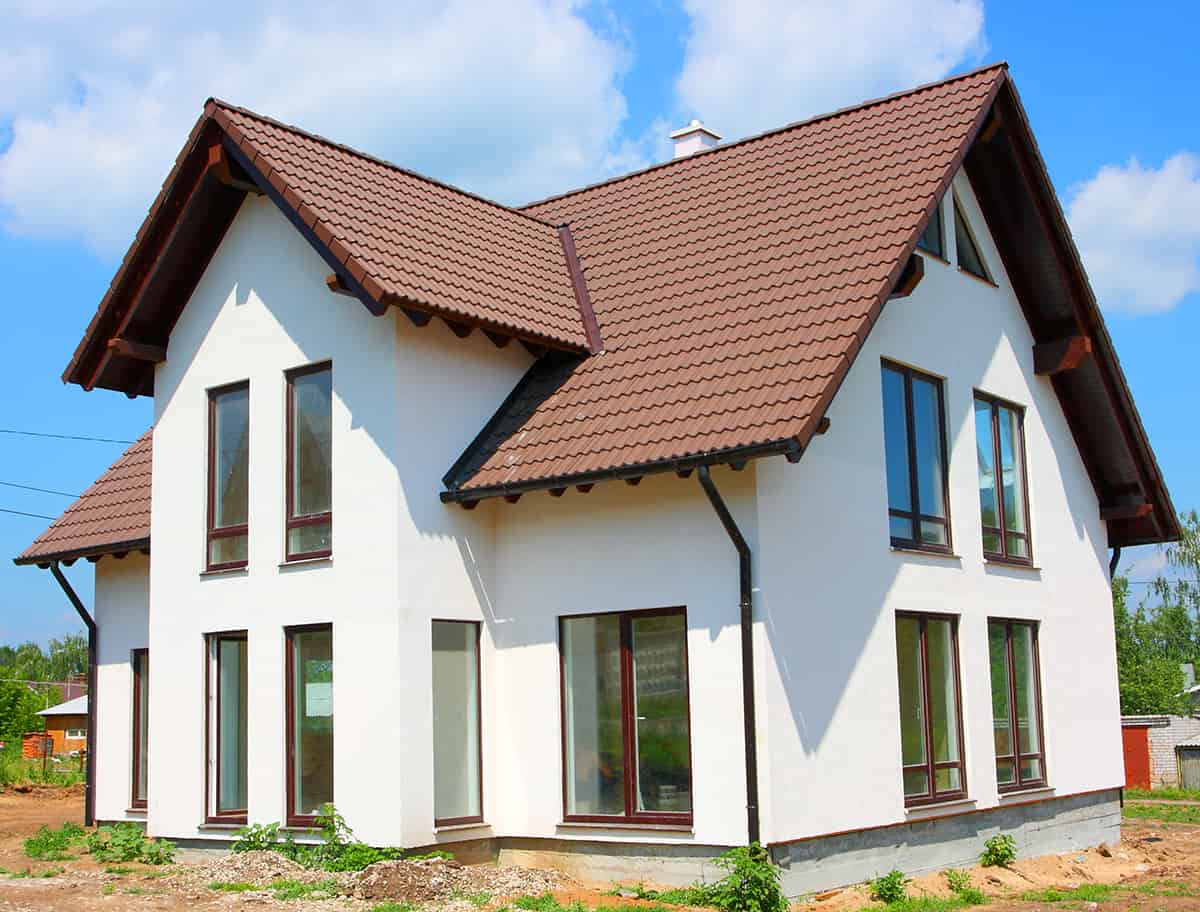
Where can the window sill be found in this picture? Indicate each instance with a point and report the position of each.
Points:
(988, 282)
(302, 562)
(137, 812)
(930, 255)
(456, 827)
(222, 826)
(1002, 564)
(226, 571)
(935, 809)
(1016, 796)
(944, 555)
(626, 825)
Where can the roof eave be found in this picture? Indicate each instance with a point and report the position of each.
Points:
(92, 552)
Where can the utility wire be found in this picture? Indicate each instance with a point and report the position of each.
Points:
(63, 436)
(23, 513)
(23, 487)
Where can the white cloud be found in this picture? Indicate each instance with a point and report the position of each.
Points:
(1138, 230)
(758, 64)
(511, 100)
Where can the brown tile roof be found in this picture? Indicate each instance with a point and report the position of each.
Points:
(733, 288)
(111, 515)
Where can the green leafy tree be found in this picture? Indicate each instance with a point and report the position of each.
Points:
(18, 710)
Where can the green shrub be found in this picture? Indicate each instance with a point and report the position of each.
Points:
(339, 850)
(960, 885)
(52, 845)
(751, 882)
(999, 852)
(260, 837)
(127, 842)
(890, 888)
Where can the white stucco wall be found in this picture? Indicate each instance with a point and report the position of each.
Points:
(122, 610)
(829, 583)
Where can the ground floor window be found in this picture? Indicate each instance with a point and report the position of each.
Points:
(1016, 705)
(457, 785)
(626, 723)
(227, 732)
(310, 722)
(76, 734)
(141, 724)
(930, 717)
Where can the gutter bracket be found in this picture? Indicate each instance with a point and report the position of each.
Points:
(89, 801)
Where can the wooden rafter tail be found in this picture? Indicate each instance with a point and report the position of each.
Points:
(1059, 355)
(138, 351)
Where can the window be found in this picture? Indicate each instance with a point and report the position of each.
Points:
(457, 786)
(931, 239)
(915, 450)
(969, 258)
(309, 462)
(309, 722)
(141, 725)
(1016, 705)
(930, 721)
(75, 734)
(1003, 499)
(225, 681)
(626, 723)
(228, 476)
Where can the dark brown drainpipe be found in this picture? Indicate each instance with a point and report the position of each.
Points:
(1112, 564)
(746, 603)
(89, 801)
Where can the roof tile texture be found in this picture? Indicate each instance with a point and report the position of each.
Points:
(732, 287)
(115, 510)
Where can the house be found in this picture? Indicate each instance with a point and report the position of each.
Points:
(66, 725)
(763, 494)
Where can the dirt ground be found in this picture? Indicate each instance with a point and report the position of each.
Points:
(1152, 862)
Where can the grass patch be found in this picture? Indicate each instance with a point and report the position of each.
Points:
(394, 907)
(542, 903)
(924, 904)
(232, 886)
(117, 869)
(1082, 893)
(1163, 794)
(478, 900)
(695, 895)
(52, 845)
(108, 890)
(286, 889)
(17, 770)
(1164, 888)
(1171, 813)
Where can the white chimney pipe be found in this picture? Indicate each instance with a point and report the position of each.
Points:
(695, 137)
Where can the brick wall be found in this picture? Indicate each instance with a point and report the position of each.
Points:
(1164, 770)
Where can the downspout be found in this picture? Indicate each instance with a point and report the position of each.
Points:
(89, 800)
(746, 604)
(1112, 564)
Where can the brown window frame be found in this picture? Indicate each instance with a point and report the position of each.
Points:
(306, 821)
(631, 814)
(212, 704)
(959, 216)
(1018, 784)
(938, 221)
(213, 531)
(473, 818)
(137, 657)
(995, 403)
(292, 521)
(915, 516)
(930, 766)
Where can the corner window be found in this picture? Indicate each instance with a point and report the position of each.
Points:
(457, 785)
(915, 451)
(1003, 500)
(930, 718)
(626, 722)
(225, 680)
(228, 476)
(1016, 705)
(969, 258)
(309, 722)
(931, 239)
(310, 462)
(141, 725)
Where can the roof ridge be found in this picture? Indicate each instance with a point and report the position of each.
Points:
(317, 137)
(816, 118)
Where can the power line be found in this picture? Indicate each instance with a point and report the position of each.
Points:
(23, 513)
(23, 487)
(63, 436)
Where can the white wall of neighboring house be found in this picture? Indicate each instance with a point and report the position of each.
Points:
(122, 606)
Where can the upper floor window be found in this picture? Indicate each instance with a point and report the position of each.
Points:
(1016, 705)
(915, 450)
(1003, 500)
(310, 462)
(228, 476)
(932, 239)
(969, 258)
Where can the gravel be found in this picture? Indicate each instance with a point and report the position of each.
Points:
(439, 879)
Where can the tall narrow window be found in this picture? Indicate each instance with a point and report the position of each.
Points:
(930, 721)
(931, 238)
(141, 725)
(1003, 501)
(310, 722)
(969, 258)
(915, 451)
(227, 732)
(1016, 705)
(626, 719)
(457, 786)
(310, 462)
(228, 476)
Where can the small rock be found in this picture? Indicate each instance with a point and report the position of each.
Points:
(1142, 868)
(627, 894)
(1091, 906)
(1104, 850)
(828, 894)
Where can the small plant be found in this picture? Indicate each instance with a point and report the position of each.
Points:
(117, 869)
(999, 851)
(286, 889)
(339, 849)
(959, 883)
(52, 845)
(751, 882)
(543, 903)
(890, 887)
(1095, 893)
(394, 907)
(260, 837)
(231, 886)
(127, 842)
(108, 890)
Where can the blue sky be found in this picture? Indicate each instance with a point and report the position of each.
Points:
(540, 96)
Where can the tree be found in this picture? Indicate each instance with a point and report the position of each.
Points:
(18, 710)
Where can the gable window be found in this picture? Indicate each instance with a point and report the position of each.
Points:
(309, 722)
(141, 726)
(1016, 705)
(626, 720)
(228, 476)
(457, 785)
(931, 239)
(309, 462)
(930, 717)
(915, 451)
(969, 258)
(225, 680)
(1003, 498)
